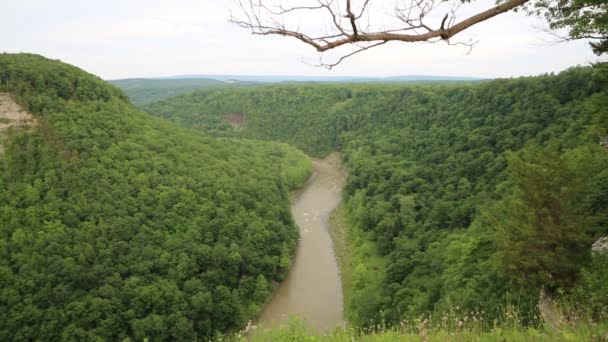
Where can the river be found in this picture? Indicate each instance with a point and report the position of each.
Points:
(312, 290)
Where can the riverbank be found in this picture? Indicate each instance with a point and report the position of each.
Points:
(338, 230)
(361, 267)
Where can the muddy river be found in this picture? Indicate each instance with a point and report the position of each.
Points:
(312, 289)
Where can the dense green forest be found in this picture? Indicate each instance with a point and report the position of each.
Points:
(142, 91)
(460, 199)
(116, 224)
(459, 196)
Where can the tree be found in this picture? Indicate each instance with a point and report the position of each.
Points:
(545, 225)
(355, 23)
(584, 19)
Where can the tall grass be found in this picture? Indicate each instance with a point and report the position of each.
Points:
(452, 326)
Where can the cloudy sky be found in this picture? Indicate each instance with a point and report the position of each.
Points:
(150, 38)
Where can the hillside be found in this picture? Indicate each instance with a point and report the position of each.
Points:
(116, 225)
(330, 79)
(469, 196)
(142, 91)
(145, 90)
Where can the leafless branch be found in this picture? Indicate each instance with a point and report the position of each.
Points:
(330, 66)
(265, 17)
(469, 45)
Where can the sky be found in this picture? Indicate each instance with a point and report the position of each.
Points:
(153, 38)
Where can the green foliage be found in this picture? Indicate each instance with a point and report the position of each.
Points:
(589, 295)
(427, 163)
(584, 19)
(46, 85)
(295, 114)
(115, 224)
(547, 221)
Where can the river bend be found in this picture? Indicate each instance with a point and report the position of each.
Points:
(312, 290)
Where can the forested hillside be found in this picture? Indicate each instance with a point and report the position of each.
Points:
(301, 115)
(145, 90)
(115, 224)
(473, 197)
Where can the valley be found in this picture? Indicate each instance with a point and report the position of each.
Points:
(174, 220)
(439, 179)
(304, 171)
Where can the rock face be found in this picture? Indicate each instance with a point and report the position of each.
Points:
(600, 246)
(549, 313)
(12, 116)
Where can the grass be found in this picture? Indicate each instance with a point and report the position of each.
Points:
(424, 330)
(5, 120)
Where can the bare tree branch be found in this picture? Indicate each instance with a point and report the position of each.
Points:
(351, 16)
(361, 49)
(262, 17)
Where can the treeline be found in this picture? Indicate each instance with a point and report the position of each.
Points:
(142, 90)
(115, 224)
(476, 196)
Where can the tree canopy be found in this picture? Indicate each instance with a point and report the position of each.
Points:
(469, 195)
(115, 224)
(583, 19)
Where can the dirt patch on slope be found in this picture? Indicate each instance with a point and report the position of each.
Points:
(234, 119)
(12, 116)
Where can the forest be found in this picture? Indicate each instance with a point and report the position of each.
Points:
(143, 91)
(115, 224)
(461, 197)
(467, 196)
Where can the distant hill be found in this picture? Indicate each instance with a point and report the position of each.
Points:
(146, 90)
(143, 91)
(356, 79)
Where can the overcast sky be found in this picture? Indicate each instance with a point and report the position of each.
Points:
(148, 38)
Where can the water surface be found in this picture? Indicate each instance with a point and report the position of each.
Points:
(312, 290)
